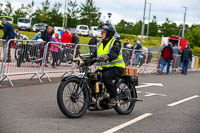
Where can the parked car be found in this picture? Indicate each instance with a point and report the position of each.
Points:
(24, 24)
(39, 27)
(8, 18)
(56, 28)
(94, 31)
(82, 30)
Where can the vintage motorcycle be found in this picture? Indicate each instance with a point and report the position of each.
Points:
(76, 94)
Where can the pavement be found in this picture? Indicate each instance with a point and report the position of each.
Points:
(170, 105)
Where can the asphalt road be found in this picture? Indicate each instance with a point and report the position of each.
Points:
(33, 109)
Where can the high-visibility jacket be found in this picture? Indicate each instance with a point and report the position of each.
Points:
(118, 62)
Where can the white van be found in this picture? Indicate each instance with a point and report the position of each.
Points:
(24, 24)
(82, 30)
(95, 31)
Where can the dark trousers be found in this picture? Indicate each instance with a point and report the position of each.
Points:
(55, 56)
(185, 65)
(108, 75)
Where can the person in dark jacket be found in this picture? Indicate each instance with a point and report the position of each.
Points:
(186, 56)
(93, 42)
(137, 47)
(47, 36)
(75, 40)
(167, 56)
(8, 34)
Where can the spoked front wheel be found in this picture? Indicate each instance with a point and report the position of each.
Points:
(72, 99)
(127, 95)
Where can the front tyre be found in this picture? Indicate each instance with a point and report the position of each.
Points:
(72, 99)
(127, 104)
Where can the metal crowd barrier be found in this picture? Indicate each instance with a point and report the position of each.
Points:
(2, 49)
(22, 57)
(57, 58)
(141, 59)
(86, 51)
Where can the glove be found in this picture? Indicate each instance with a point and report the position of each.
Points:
(103, 58)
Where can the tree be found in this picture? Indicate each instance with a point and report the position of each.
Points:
(1, 9)
(8, 11)
(124, 27)
(55, 14)
(72, 14)
(20, 13)
(193, 36)
(169, 29)
(89, 13)
(137, 28)
(153, 27)
(41, 15)
(30, 10)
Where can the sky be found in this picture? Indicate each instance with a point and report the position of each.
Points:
(132, 10)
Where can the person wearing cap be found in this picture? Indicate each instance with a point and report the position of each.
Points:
(8, 34)
(109, 51)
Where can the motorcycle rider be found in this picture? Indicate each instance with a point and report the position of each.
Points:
(109, 51)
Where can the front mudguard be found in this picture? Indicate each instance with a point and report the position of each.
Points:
(74, 76)
(69, 77)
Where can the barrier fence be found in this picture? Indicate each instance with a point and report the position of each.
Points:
(22, 57)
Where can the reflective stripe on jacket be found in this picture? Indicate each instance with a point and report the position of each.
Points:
(118, 62)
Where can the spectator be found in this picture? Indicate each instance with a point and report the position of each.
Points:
(47, 36)
(75, 40)
(61, 31)
(160, 57)
(37, 36)
(17, 34)
(167, 56)
(176, 57)
(137, 47)
(93, 42)
(186, 56)
(126, 53)
(66, 37)
(176, 50)
(55, 48)
(8, 34)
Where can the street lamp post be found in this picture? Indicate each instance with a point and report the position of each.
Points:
(143, 23)
(65, 14)
(184, 21)
(109, 16)
(149, 19)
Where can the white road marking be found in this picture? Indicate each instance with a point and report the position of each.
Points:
(112, 130)
(139, 92)
(149, 84)
(184, 100)
(154, 94)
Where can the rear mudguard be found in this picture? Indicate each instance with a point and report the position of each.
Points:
(127, 79)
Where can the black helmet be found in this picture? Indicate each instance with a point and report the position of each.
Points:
(110, 30)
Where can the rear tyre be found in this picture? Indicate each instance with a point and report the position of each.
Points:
(72, 100)
(127, 104)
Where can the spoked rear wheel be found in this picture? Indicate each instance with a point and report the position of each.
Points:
(72, 99)
(127, 103)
